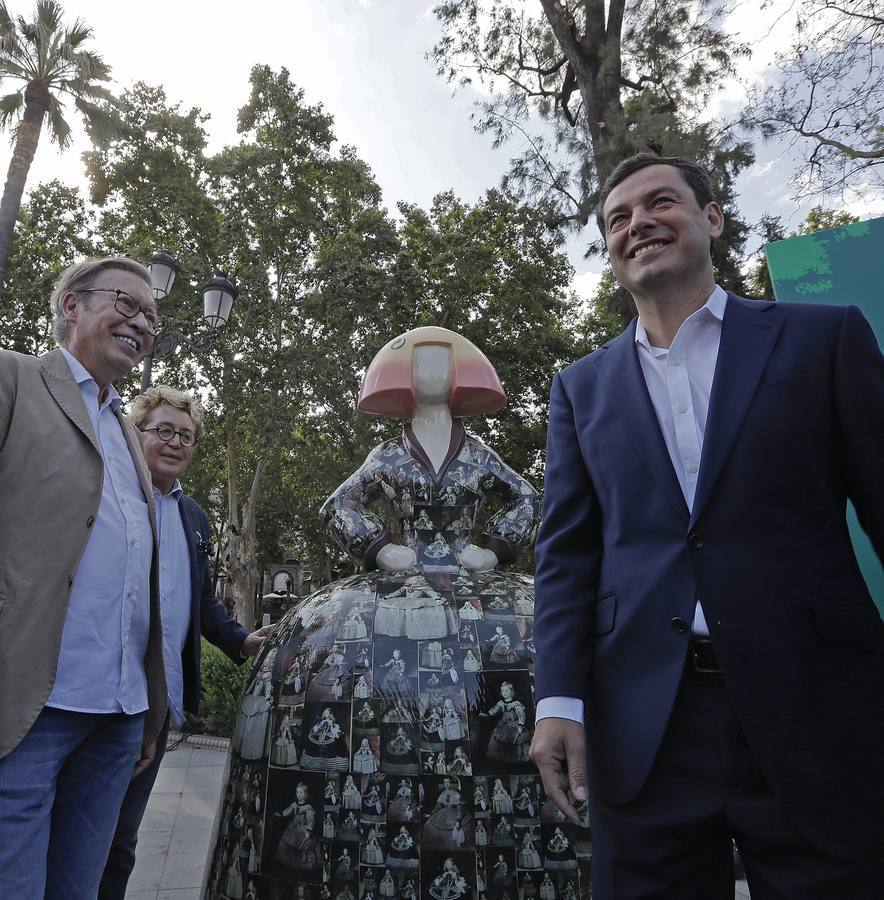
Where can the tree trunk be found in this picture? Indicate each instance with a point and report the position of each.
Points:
(242, 545)
(595, 60)
(26, 138)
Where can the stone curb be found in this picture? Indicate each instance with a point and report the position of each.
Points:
(204, 741)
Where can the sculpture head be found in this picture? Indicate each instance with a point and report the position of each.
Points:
(392, 384)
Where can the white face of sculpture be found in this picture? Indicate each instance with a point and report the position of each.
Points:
(432, 374)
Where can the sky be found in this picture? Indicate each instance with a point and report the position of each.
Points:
(364, 60)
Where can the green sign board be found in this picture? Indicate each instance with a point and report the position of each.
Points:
(841, 266)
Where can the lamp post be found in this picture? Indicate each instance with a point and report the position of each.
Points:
(218, 293)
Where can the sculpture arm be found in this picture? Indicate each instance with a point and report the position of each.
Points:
(352, 526)
(513, 527)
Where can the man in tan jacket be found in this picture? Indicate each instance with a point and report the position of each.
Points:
(82, 686)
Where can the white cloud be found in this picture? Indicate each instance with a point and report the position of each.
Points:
(586, 284)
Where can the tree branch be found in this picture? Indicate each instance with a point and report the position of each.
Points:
(838, 145)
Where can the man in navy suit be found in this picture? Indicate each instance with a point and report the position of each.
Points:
(709, 659)
(170, 421)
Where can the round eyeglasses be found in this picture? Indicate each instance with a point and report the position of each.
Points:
(129, 307)
(166, 432)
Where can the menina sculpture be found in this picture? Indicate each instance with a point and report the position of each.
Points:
(381, 748)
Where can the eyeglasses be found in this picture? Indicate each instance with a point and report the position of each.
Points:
(166, 432)
(129, 307)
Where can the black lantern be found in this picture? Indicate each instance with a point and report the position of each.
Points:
(218, 296)
(163, 267)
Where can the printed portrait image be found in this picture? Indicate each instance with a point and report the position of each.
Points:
(502, 646)
(367, 716)
(333, 681)
(448, 876)
(405, 800)
(366, 755)
(325, 746)
(500, 872)
(291, 840)
(288, 722)
(448, 818)
(395, 670)
(501, 721)
(374, 790)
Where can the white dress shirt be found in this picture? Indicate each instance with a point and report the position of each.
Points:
(679, 381)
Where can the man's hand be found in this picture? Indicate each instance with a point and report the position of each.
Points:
(147, 757)
(559, 752)
(252, 644)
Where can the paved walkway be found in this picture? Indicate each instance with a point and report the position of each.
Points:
(174, 837)
(175, 833)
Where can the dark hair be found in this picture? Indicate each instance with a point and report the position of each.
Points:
(697, 178)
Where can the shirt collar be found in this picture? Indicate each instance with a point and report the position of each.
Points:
(175, 493)
(82, 376)
(714, 306)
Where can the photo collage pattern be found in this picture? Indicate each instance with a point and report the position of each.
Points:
(372, 762)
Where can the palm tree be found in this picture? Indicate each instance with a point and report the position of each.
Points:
(48, 61)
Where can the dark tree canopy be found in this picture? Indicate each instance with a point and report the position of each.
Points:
(585, 84)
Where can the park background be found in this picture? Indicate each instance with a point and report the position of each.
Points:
(362, 167)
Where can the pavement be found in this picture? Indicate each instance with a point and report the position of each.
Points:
(174, 838)
(173, 841)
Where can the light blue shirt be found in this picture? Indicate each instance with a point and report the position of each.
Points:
(679, 380)
(104, 641)
(174, 594)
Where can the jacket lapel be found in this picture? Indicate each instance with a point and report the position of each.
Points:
(190, 534)
(623, 381)
(61, 384)
(748, 334)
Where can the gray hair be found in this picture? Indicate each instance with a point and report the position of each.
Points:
(80, 277)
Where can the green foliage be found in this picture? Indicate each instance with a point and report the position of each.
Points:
(327, 277)
(53, 231)
(47, 63)
(819, 219)
(43, 51)
(221, 687)
(584, 85)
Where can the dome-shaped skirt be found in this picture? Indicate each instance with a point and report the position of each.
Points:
(443, 710)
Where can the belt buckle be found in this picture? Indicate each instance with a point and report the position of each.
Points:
(697, 657)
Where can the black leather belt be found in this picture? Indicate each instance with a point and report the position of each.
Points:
(702, 657)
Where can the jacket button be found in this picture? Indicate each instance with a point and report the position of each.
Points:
(90, 521)
(679, 625)
(695, 542)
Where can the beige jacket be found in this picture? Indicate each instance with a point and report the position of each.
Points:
(50, 487)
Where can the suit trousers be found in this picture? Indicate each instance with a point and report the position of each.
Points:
(705, 791)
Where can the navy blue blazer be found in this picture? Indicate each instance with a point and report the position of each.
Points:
(208, 615)
(795, 427)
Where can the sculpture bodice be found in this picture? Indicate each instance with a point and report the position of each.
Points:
(436, 512)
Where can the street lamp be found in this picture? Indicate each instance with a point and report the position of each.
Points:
(218, 296)
(162, 268)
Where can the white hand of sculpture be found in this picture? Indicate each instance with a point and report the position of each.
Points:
(477, 559)
(396, 558)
